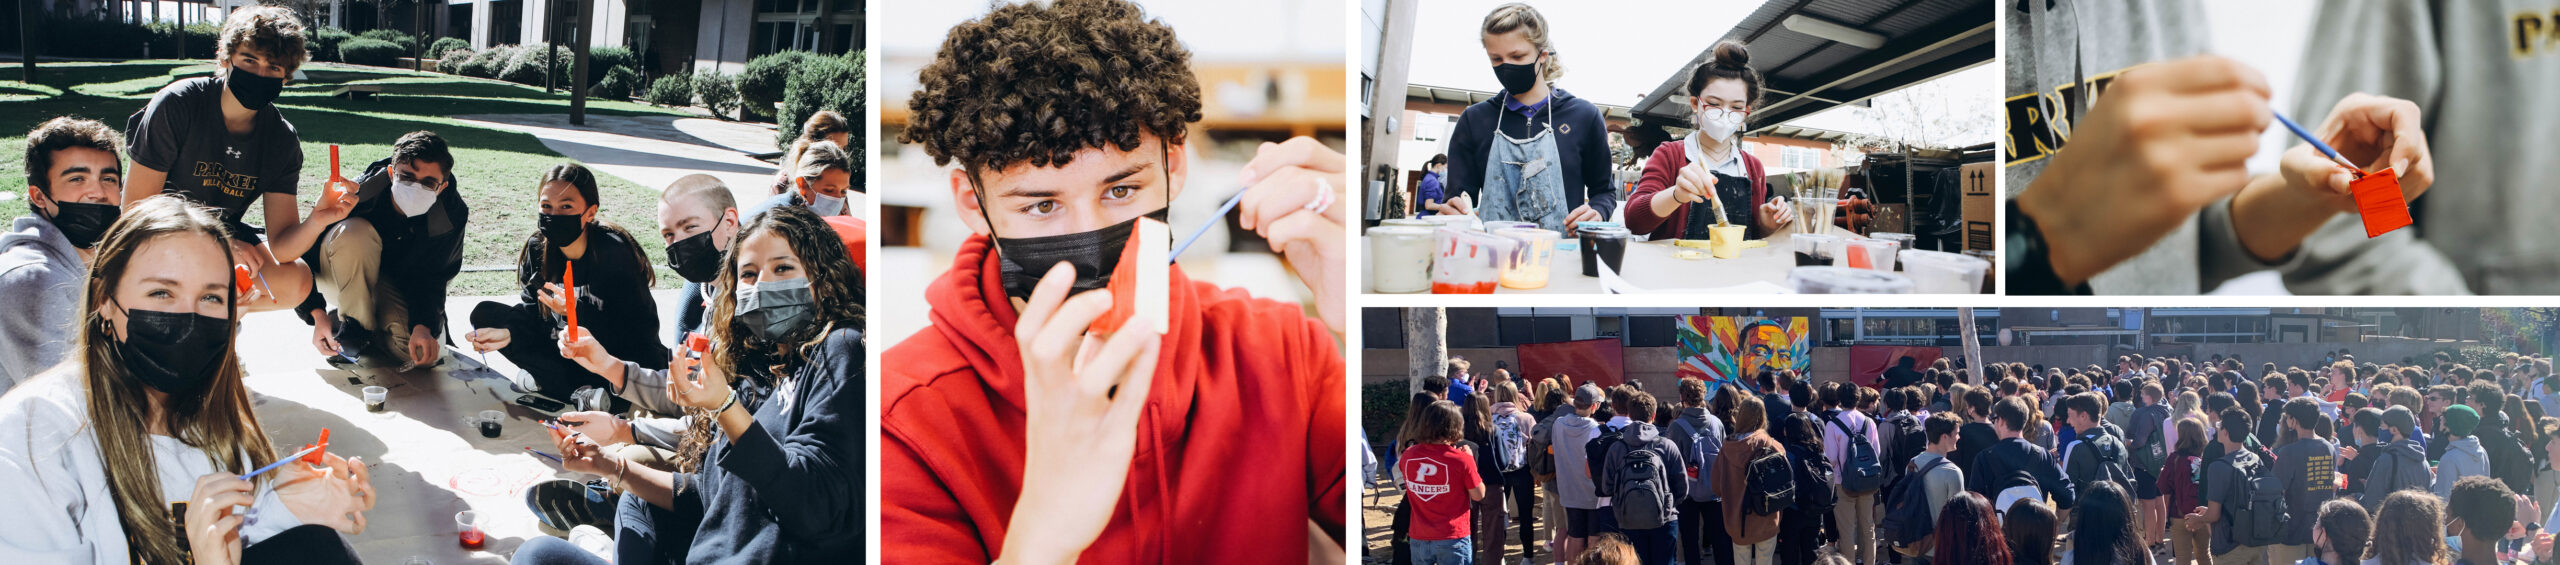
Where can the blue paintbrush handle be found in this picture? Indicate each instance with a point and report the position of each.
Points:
(2315, 141)
(1223, 209)
(279, 463)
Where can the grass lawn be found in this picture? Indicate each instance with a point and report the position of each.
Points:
(495, 168)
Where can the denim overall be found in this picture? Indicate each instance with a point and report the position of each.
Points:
(1522, 181)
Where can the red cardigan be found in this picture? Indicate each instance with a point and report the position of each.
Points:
(1241, 445)
(1661, 173)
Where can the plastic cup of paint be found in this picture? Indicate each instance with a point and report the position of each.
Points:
(1939, 272)
(467, 528)
(1814, 249)
(1900, 241)
(1870, 253)
(1531, 261)
(374, 397)
(1496, 226)
(1400, 258)
(1469, 262)
(1847, 280)
(492, 423)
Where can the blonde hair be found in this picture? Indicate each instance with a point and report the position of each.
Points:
(1532, 26)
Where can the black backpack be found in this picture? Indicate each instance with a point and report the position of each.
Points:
(2109, 452)
(1906, 512)
(2260, 518)
(1904, 439)
(2508, 461)
(1813, 482)
(1640, 486)
(1860, 473)
(1770, 482)
(1542, 452)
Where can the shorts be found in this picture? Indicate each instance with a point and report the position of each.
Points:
(1583, 523)
(2145, 486)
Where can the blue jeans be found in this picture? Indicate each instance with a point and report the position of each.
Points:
(1459, 551)
(547, 550)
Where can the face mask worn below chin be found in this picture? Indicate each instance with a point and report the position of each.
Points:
(83, 223)
(173, 352)
(695, 258)
(254, 91)
(775, 310)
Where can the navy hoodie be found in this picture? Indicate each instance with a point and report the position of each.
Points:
(2013, 456)
(790, 489)
(1582, 146)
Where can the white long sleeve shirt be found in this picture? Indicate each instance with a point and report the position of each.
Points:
(53, 483)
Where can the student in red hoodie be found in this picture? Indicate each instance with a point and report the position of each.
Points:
(1011, 430)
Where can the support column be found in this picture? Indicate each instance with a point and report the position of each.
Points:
(480, 18)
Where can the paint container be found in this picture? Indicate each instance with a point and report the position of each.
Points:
(1814, 249)
(374, 397)
(1603, 245)
(1469, 262)
(1846, 280)
(491, 423)
(467, 524)
(1400, 258)
(1531, 262)
(1939, 272)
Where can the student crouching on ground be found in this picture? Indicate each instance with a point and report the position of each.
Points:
(387, 265)
(149, 425)
(770, 469)
(75, 183)
(613, 293)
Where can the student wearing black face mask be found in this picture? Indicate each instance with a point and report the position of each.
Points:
(221, 141)
(149, 425)
(387, 265)
(769, 465)
(1215, 435)
(74, 183)
(1536, 153)
(696, 215)
(613, 278)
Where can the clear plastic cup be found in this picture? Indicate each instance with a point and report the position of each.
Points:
(1470, 262)
(1603, 245)
(1400, 258)
(374, 397)
(1531, 262)
(1454, 221)
(1725, 241)
(1814, 213)
(1815, 249)
(1870, 253)
(467, 529)
(1496, 226)
(1411, 222)
(1939, 272)
(1847, 280)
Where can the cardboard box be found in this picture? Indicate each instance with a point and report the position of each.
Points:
(1981, 205)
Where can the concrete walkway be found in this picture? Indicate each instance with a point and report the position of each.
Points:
(427, 462)
(653, 151)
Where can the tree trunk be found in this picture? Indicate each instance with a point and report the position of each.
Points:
(1972, 346)
(1426, 346)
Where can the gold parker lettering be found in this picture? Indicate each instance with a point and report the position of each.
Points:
(236, 185)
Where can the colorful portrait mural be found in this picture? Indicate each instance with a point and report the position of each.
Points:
(1725, 351)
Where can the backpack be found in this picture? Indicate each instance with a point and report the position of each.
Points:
(1704, 444)
(1859, 473)
(1906, 512)
(1542, 450)
(2150, 450)
(1770, 482)
(2261, 517)
(1640, 490)
(2109, 453)
(1510, 443)
(1904, 439)
(1813, 483)
(2508, 461)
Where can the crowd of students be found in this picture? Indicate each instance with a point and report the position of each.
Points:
(2423, 461)
(129, 441)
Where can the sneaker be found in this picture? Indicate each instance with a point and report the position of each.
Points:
(593, 540)
(564, 504)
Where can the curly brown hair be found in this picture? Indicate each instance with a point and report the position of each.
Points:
(1036, 82)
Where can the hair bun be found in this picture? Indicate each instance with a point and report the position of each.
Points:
(1732, 55)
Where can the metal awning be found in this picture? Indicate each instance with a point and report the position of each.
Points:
(1461, 97)
(1804, 49)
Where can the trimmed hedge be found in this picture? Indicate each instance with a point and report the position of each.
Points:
(324, 43)
(369, 51)
(451, 63)
(447, 45)
(618, 84)
(406, 42)
(671, 90)
(717, 92)
(603, 60)
(524, 65)
(761, 86)
(486, 62)
(824, 83)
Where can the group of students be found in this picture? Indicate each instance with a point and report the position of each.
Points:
(128, 442)
(2346, 462)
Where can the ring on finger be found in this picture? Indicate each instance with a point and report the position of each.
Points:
(1324, 197)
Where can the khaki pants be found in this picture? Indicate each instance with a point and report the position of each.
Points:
(1551, 528)
(1856, 516)
(1763, 553)
(2287, 554)
(2189, 548)
(349, 273)
(2243, 555)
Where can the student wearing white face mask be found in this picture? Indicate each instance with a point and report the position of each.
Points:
(1671, 200)
(386, 266)
(817, 181)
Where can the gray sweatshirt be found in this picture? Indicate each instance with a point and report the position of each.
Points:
(42, 272)
(2079, 39)
(1573, 435)
(2463, 458)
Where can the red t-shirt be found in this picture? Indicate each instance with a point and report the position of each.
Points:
(1436, 481)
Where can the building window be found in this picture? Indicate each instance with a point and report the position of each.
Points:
(1793, 157)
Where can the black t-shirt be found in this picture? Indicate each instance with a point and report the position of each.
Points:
(2308, 469)
(181, 132)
